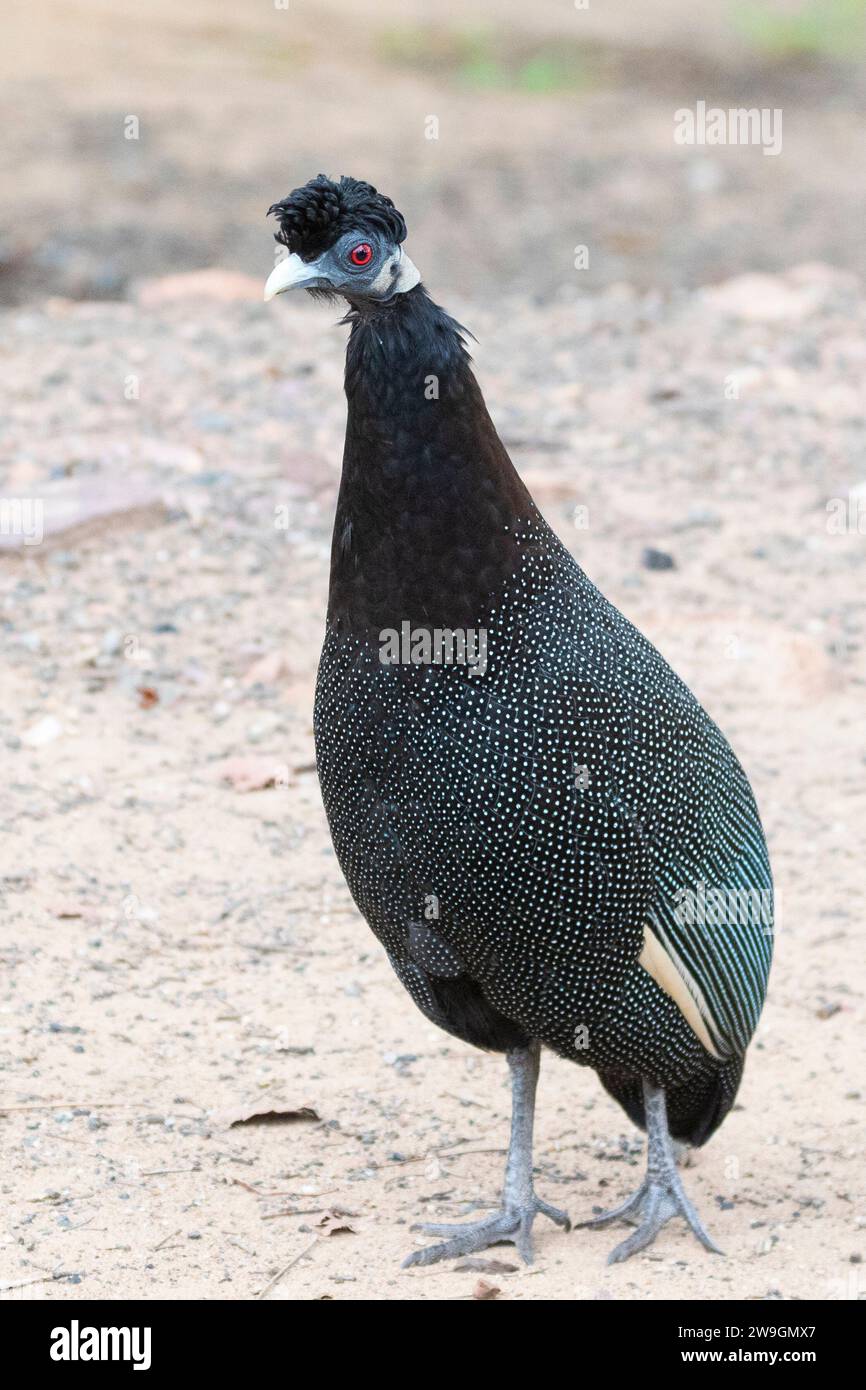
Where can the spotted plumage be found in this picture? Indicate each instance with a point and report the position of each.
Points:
(520, 838)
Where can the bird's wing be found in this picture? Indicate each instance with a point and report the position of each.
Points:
(655, 760)
(712, 914)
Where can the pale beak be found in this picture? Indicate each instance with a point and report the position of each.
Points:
(294, 274)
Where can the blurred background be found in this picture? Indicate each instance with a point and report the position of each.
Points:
(554, 128)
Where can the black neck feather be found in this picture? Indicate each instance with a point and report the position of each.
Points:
(429, 499)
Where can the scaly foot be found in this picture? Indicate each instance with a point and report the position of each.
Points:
(654, 1203)
(661, 1194)
(512, 1224)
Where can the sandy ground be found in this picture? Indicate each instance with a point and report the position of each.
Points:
(177, 950)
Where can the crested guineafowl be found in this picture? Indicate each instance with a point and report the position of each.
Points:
(552, 841)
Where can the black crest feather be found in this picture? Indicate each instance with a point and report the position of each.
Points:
(316, 215)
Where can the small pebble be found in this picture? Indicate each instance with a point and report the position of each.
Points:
(652, 559)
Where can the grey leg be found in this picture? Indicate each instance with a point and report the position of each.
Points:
(661, 1194)
(513, 1221)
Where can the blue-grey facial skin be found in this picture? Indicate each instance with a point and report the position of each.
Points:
(372, 281)
(389, 271)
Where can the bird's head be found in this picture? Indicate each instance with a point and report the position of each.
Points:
(343, 238)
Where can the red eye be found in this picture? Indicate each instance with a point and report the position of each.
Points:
(361, 254)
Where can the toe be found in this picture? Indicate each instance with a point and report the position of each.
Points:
(683, 1207)
(523, 1240)
(561, 1218)
(629, 1210)
(450, 1228)
(464, 1240)
(449, 1249)
(638, 1240)
(704, 1237)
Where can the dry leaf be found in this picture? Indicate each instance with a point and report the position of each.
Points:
(268, 1113)
(334, 1223)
